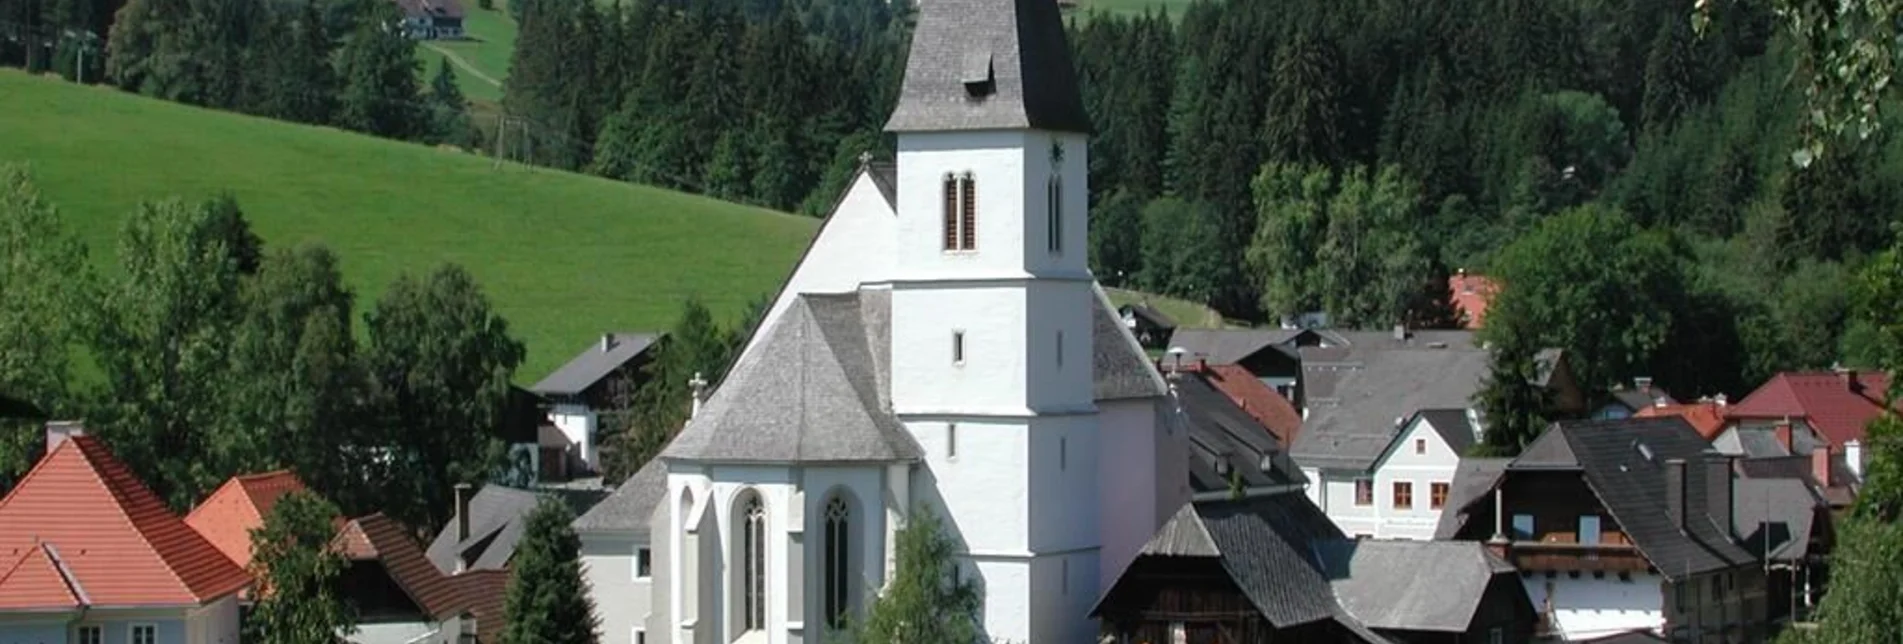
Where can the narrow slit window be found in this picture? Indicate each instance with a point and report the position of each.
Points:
(1054, 228)
(951, 213)
(951, 440)
(1060, 348)
(958, 347)
(968, 223)
(1063, 452)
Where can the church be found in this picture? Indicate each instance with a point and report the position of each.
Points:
(942, 344)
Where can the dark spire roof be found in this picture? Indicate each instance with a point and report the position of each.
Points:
(986, 65)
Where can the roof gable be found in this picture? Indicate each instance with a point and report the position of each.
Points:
(595, 363)
(1412, 585)
(631, 505)
(1448, 428)
(226, 517)
(117, 539)
(39, 581)
(1358, 398)
(497, 515)
(989, 65)
(1838, 405)
(1549, 451)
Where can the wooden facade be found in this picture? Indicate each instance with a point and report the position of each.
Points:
(1159, 597)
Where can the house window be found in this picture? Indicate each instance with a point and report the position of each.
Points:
(960, 213)
(1364, 492)
(1420, 446)
(951, 440)
(91, 635)
(958, 347)
(643, 563)
(1437, 495)
(1055, 196)
(1060, 348)
(1497, 635)
(753, 554)
(1403, 495)
(640, 636)
(1063, 452)
(145, 634)
(1522, 527)
(1589, 529)
(838, 559)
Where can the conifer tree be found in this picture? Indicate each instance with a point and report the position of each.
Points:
(927, 601)
(378, 68)
(548, 600)
(1668, 76)
(449, 111)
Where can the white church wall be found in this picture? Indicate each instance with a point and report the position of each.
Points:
(1063, 511)
(691, 537)
(976, 481)
(854, 246)
(927, 379)
(862, 488)
(775, 485)
(1588, 608)
(1070, 260)
(659, 625)
(623, 599)
(996, 160)
(1068, 581)
(1060, 342)
(1129, 497)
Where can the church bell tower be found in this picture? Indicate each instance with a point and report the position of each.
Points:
(992, 305)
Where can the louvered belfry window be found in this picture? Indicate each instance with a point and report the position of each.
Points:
(951, 212)
(968, 224)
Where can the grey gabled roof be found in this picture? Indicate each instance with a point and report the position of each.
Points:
(497, 515)
(1623, 462)
(1474, 480)
(1412, 585)
(1224, 437)
(1228, 346)
(1775, 517)
(628, 509)
(1123, 370)
(595, 363)
(1551, 451)
(1182, 536)
(1268, 547)
(1454, 427)
(1018, 46)
(809, 392)
(1359, 397)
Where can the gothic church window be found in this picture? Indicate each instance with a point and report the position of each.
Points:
(960, 213)
(753, 557)
(838, 561)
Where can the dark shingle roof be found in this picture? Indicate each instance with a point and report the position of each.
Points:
(1412, 585)
(1222, 435)
(1228, 346)
(1474, 480)
(1453, 426)
(1775, 517)
(1623, 462)
(1358, 397)
(595, 363)
(631, 505)
(810, 391)
(1267, 545)
(1123, 370)
(497, 515)
(1016, 47)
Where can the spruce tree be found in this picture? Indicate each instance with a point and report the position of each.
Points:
(548, 600)
(1668, 76)
(449, 111)
(378, 66)
(927, 601)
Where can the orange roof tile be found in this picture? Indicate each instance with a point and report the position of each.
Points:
(480, 593)
(1706, 417)
(1257, 399)
(1471, 294)
(36, 581)
(227, 517)
(117, 540)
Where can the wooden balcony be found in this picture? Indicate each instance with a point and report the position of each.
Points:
(1545, 556)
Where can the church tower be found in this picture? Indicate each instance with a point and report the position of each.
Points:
(992, 305)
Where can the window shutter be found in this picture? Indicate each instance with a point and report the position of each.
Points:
(968, 233)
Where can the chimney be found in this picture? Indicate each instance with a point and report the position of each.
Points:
(462, 512)
(1675, 491)
(1820, 465)
(1720, 399)
(1400, 333)
(1853, 458)
(57, 431)
(607, 342)
(1719, 499)
(1783, 433)
(1643, 384)
(1202, 365)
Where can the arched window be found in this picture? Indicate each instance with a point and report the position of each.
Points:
(753, 558)
(960, 213)
(838, 561)
(1054, 195)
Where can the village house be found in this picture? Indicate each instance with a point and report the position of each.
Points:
(1799, 413)
(1151, 327)
(1623, 525)
(1271, 567)
(1470, 294)
(88, 554)
(403, 598)
(603, 376)
(1627, 401)
(431, 19)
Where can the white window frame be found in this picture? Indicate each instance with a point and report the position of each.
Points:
(132, 632)
(643, 554)
(640, 635)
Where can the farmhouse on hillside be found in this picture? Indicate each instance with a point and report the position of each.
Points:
(431, 19)
(599, 378)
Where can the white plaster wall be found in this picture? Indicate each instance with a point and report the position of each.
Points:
(1317, 489)
(621, 600)
(1588, 608)
(864, 489)
(992, 378)
(853, 247)
(214, 623)
(1063, 484)
(577, 422)
(1134, 494)
(996, 160)
(983, 491)
(1059, 310)
(776, 489)
(1071, 260)
(1401, 464)
(1007, 615)
(1065, 585)
(688, 498)
(1338, 494)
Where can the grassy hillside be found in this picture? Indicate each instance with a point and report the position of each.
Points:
(564, 257)
(491, 39)
(1187, 314)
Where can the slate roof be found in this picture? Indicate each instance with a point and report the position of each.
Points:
(1296, 567)
(631, 505)
(1256, 399)
(593, 363)
(1454, 427)
(1123, 370)
(1223, 438)
(809, 392)
(1838, 405)
(227, 516)
(1775, 517)
(116, 539)
(1359, 397)
(1623, 462)
(1474, 480)
(1412, 585)
(1229, 346)
(497, 516)
(1016, 47)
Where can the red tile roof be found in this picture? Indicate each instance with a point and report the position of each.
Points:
(1838, 405)
(1257, 399)
(478, 592)
(118, 541)
(36, 582)
(1470, 293)
(227, 517)
(1706, 417)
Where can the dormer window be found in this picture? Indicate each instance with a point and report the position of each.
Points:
(977, 75)
(960, 213)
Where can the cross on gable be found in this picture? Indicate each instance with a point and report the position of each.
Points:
(865, 157)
